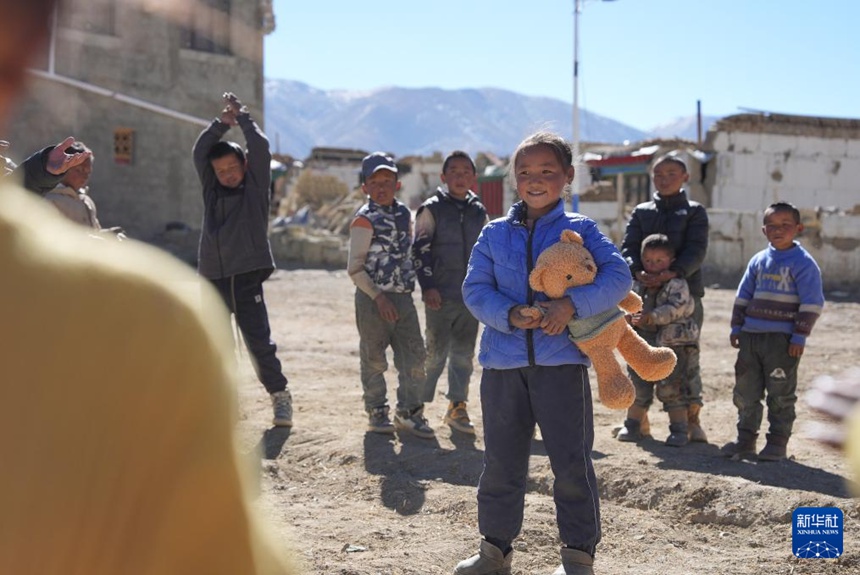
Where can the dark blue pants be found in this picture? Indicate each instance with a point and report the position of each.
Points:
(243, 295)
(558, 399)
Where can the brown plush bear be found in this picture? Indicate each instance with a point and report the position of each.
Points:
(568, 264)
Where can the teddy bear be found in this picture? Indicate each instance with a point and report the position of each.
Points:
(569, 264)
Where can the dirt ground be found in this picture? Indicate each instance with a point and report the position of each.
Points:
(351, 503)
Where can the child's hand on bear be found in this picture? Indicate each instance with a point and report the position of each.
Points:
(525, 316)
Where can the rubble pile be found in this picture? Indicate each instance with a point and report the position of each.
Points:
(315, 238)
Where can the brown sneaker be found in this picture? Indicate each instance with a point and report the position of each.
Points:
(458, 418)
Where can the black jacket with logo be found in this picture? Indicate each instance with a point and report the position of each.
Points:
(684, 222)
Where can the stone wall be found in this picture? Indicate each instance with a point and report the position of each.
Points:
(831, 238)
(809, 162)
(143, 59)
(303, 247)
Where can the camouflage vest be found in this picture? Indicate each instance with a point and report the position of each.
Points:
(388, 261)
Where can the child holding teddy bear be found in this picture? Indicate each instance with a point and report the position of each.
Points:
(532, 373)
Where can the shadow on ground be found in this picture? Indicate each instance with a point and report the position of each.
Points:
(410, 465)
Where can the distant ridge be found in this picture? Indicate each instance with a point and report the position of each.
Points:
(685, 128)
(420, 121)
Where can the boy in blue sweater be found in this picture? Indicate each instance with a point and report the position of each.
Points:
(778, 301)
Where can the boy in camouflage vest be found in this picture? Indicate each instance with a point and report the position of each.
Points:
(380, 265)
(667, 320)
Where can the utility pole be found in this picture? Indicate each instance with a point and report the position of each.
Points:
(577, 8)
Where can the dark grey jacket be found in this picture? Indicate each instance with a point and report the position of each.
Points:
(441, 260)
(35, 177)
(685, 222)
(234, 237)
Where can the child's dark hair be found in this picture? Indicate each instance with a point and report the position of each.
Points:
(221, 149)
(458, 154)
(782, 207)
(658, 242)
(672, 159)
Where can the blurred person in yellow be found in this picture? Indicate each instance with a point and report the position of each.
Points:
(116, 415)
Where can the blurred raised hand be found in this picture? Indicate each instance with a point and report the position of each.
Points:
(59, 162)
(837, 399)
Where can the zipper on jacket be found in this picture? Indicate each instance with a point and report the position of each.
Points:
(466, 248)
(530, 343)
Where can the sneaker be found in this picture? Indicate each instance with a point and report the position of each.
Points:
(377, 420)
(282, 406)
(458, 418)
(414, 422)
(489, 561)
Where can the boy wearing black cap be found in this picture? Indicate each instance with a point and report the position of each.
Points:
(380, 265)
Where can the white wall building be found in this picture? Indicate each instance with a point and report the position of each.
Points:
(763, 158)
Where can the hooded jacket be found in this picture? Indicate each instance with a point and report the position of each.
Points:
(234, 237)
(497, 279)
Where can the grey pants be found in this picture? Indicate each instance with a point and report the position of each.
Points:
(404, 337)
(765, 370)
(451, 334)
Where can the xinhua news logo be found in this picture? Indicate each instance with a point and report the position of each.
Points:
(816, 532)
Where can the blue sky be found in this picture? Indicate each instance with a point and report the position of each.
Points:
(642, 62)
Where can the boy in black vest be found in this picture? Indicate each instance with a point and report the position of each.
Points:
(446, 227)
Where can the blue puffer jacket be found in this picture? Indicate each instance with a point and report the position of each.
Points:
(498, 279)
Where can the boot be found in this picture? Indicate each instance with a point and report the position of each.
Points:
(575, 562)
(645, 425)
(489, 561)
(743, 446)
(694, 428)
(774, 449)
(632, 430)
(677, 427)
